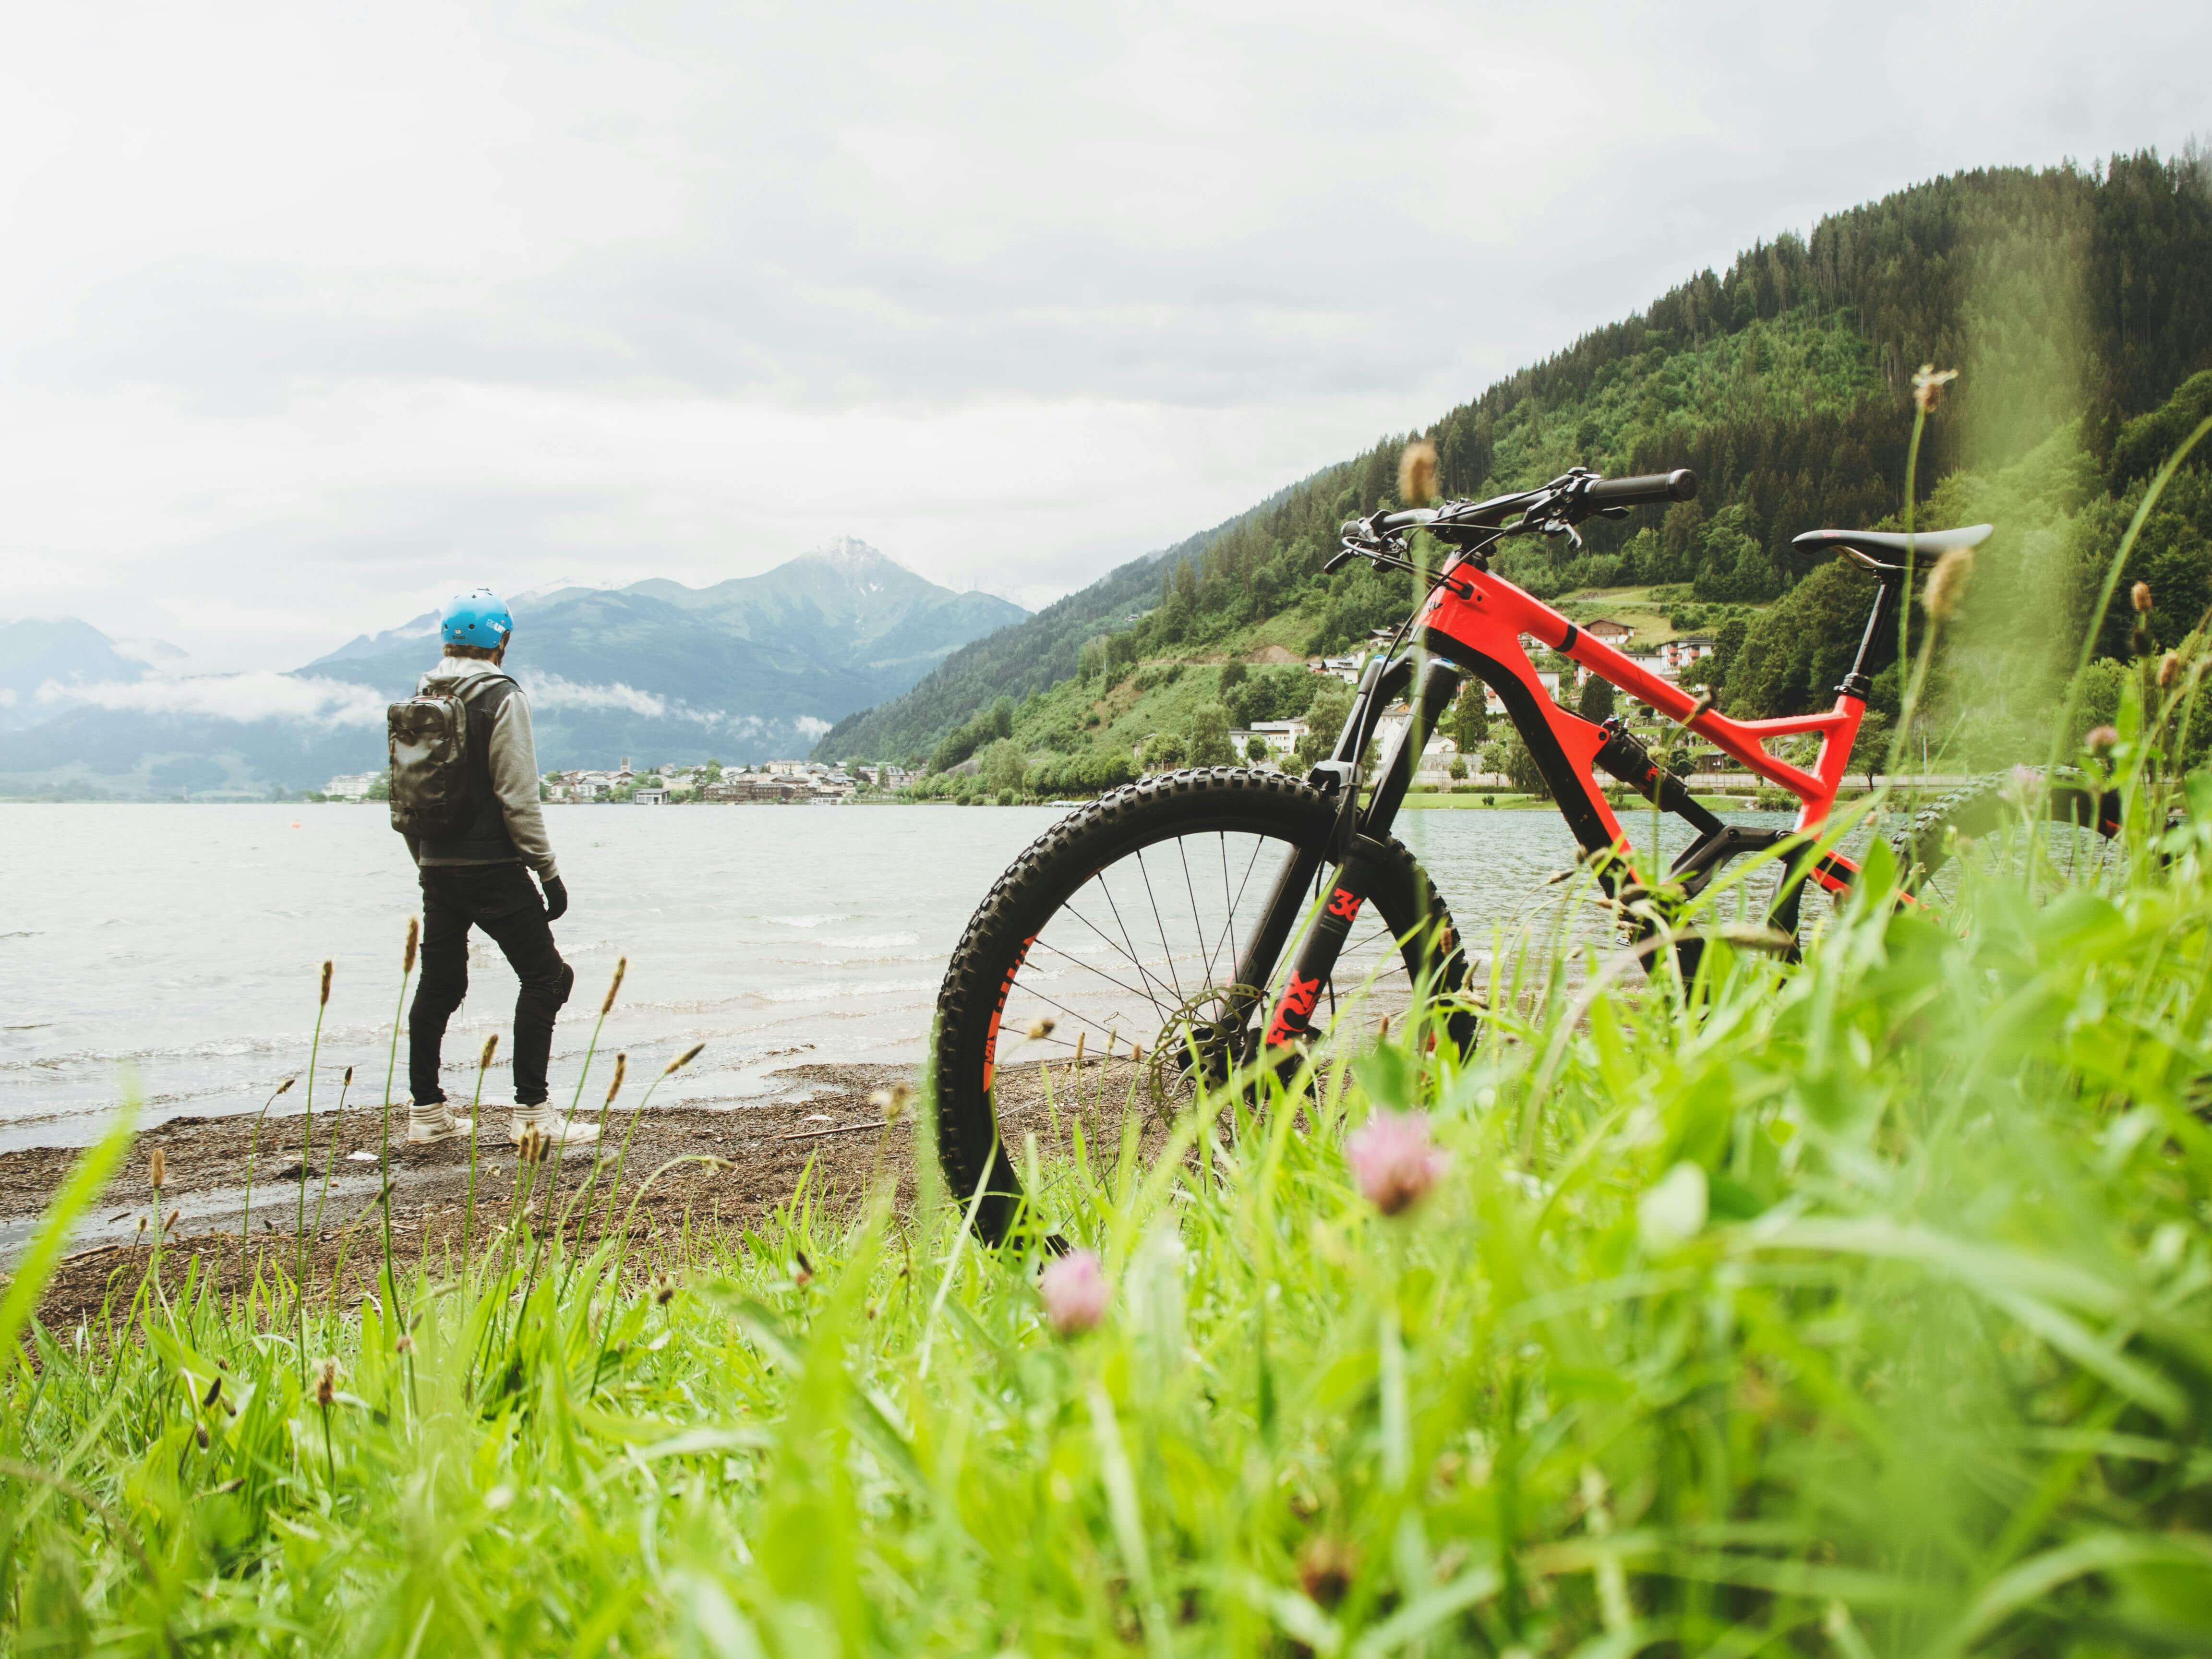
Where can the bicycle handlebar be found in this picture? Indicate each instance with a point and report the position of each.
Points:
(1557, 507)
(1647, 489)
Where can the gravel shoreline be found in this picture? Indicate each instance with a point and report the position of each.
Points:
(744, 1161)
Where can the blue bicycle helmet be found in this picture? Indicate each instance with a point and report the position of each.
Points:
(478, 617)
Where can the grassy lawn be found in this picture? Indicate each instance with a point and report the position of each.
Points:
(1855, 1306)
(1504, 801)
(1631, 606)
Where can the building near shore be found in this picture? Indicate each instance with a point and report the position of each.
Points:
(352, 786)
(1281, 737)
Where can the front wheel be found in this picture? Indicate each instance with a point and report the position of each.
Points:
(1105, 962)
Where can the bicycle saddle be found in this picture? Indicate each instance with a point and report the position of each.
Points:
(1867, 547)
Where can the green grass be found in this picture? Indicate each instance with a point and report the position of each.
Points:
(1860, 1307)
(1505, 800)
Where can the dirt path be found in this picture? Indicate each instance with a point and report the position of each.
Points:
(758, 1153)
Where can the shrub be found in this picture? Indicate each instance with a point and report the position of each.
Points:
(1166, 751)
(1207, 739)
(1003, 767)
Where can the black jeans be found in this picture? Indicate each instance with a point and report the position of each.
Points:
(503, 900)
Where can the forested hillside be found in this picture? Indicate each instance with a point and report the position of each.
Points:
(2074, 301)
(1013, 662)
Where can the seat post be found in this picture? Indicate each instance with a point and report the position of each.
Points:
(1857, 683)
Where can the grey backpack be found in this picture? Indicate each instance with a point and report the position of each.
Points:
(434, 786)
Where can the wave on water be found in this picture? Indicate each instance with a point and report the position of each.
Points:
(810, 922)
(872, 942)
(833, 991)
(334, 1049)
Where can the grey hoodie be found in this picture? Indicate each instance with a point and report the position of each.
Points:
(514, 769)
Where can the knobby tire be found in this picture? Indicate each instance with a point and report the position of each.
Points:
(1165, 808)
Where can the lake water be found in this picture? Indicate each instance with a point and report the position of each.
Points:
(177, 947)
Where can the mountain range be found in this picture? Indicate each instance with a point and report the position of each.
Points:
(746, 669)
(2076, 302)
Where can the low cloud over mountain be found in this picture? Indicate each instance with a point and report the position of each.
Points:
(746, 669)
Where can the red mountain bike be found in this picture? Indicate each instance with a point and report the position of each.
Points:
(1157, 933)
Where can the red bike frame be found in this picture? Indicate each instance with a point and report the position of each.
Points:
(1474, 622)
(1479, 619)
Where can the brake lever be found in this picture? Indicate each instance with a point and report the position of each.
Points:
(1555, 514)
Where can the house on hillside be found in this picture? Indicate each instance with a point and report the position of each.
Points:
(1614, 634)
(1281, 737)
(1435, 767)
(1678, 655)
(1546, 677)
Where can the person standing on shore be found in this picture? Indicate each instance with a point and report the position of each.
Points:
(463, 758)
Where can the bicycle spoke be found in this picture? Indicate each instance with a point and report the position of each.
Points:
(1229, 905)
(1143, 972)
(1101, 1028)
(1173, 978)
(1077, 962)
(1199, 926)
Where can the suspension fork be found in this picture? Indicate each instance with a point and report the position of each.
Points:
(1353, 883)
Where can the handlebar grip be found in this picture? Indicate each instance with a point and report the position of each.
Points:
(1409, 519)
(1648, 489)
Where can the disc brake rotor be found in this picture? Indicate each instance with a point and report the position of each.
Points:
(1197, 1046)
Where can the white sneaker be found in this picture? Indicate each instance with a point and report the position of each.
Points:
(427, 1125)
(550, 1130)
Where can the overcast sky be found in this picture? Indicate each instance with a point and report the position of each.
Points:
(311, 314)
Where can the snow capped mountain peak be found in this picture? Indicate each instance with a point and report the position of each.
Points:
(854, 560)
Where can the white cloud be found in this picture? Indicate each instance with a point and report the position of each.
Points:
(1014, 293)
(257, 695)
(551, 691)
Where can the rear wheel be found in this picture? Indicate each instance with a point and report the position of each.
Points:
(1105, 962)
(1981, 832)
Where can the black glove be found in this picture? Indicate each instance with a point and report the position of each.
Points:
(557, 898)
